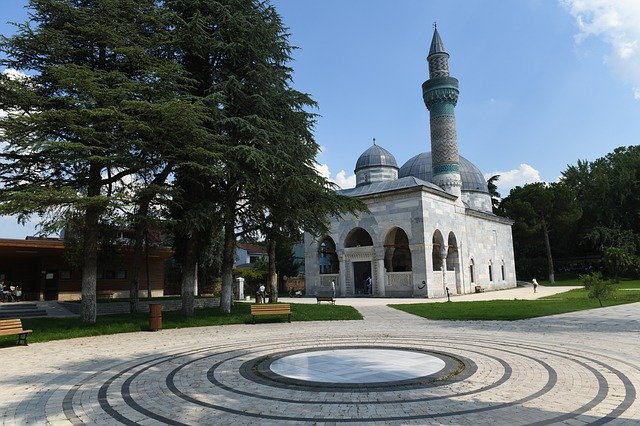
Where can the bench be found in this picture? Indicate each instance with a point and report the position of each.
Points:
(104, 294)
(14, 326)
(480, 289)
(322, 298)
(271, 309)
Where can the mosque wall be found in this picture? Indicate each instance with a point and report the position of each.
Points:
(490, 244)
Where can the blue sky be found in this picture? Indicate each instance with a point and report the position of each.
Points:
(543, 83)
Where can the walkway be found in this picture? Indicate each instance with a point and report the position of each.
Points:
(577, 368)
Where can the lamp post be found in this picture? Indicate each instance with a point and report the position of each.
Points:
(448, 295)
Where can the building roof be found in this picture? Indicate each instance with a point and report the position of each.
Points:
(376, 156)
(389, 186)
(437, 46)
(252, 248)
(420, 167)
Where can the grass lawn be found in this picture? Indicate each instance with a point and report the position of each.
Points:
(508, 310)
(45, 329)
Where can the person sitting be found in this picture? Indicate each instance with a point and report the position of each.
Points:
(5, 292)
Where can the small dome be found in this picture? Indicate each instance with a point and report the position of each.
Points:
(376, 156)
(420, 167)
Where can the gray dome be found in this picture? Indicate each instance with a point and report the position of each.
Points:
(376, 156)
(420, 167)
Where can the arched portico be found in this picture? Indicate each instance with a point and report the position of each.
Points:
(453, 263)
(361, 275)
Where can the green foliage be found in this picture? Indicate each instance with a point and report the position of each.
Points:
(46, 329)
(597, 287)
(541, 209)
(511, 310)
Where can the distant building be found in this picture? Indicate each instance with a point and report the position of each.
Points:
(430, 224)
(39, 266)
(248, 254)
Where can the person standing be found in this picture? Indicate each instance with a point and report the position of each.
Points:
(261, 290)
(333, 288)
(369, 286)
(535, 285)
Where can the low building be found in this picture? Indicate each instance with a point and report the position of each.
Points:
(40, 266)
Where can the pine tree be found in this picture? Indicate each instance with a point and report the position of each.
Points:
(88, 115)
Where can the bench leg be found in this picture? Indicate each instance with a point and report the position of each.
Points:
(289, 315)
(22, 338)
(254, 319)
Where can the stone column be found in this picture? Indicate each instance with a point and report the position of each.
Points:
(343, 270)
(240, 282)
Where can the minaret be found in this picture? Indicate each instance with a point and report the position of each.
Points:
(440, 93)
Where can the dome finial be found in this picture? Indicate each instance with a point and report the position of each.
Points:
(374, 141)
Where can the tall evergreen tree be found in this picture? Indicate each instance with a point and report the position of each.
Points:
(540, 209)
(87, 116)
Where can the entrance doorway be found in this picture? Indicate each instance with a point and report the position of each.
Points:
(51, 285)
(361, 274)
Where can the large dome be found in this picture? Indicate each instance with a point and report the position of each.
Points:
(376, 156)
(420, 167)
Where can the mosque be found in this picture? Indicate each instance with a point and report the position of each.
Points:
(430, 227)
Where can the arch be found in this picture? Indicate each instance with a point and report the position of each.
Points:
(327, 256)
(453, 260)
(490, 270)
(452, 253)
(438, 252)
(358, 237)
(397, 255)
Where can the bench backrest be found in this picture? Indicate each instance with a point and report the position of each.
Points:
(11, 324)
(271, 307)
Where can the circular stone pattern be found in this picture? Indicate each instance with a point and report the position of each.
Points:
(357, 365)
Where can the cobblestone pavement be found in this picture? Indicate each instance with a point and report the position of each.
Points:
(577, 368)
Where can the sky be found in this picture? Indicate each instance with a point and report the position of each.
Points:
(543, 83)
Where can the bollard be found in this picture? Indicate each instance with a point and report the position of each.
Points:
(155, 316)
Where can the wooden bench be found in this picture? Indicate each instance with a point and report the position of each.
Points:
(14, 326)
(323, 298)
(104, 294)
(480, 289)
(271, 309)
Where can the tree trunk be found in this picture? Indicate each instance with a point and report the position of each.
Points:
(188, 279)
(141, 231)
(547, 244)
(134, 289)
(273, 278)
(88, 307)
(228, 258)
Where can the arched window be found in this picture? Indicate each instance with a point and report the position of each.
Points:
(327, 256)
(397, 256)
(439, 250)
(490, 271)
(471, 272)
(358, 237)
(502, 270)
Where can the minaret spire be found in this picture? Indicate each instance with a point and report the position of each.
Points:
(440, 93)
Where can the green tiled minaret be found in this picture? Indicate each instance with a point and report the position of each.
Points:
(440, 93)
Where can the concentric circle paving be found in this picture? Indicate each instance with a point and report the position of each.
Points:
(579, 368)
(205, 386)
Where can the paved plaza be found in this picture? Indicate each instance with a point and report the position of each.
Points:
(573, 369)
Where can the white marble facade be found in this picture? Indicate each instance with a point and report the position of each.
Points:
(430, 228)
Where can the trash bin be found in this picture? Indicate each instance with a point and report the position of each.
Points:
(258, 297)
(155, 316)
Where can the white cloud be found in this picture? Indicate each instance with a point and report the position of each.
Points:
(341, 179)
(617, 23)
(516, 177)
(345, 181)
